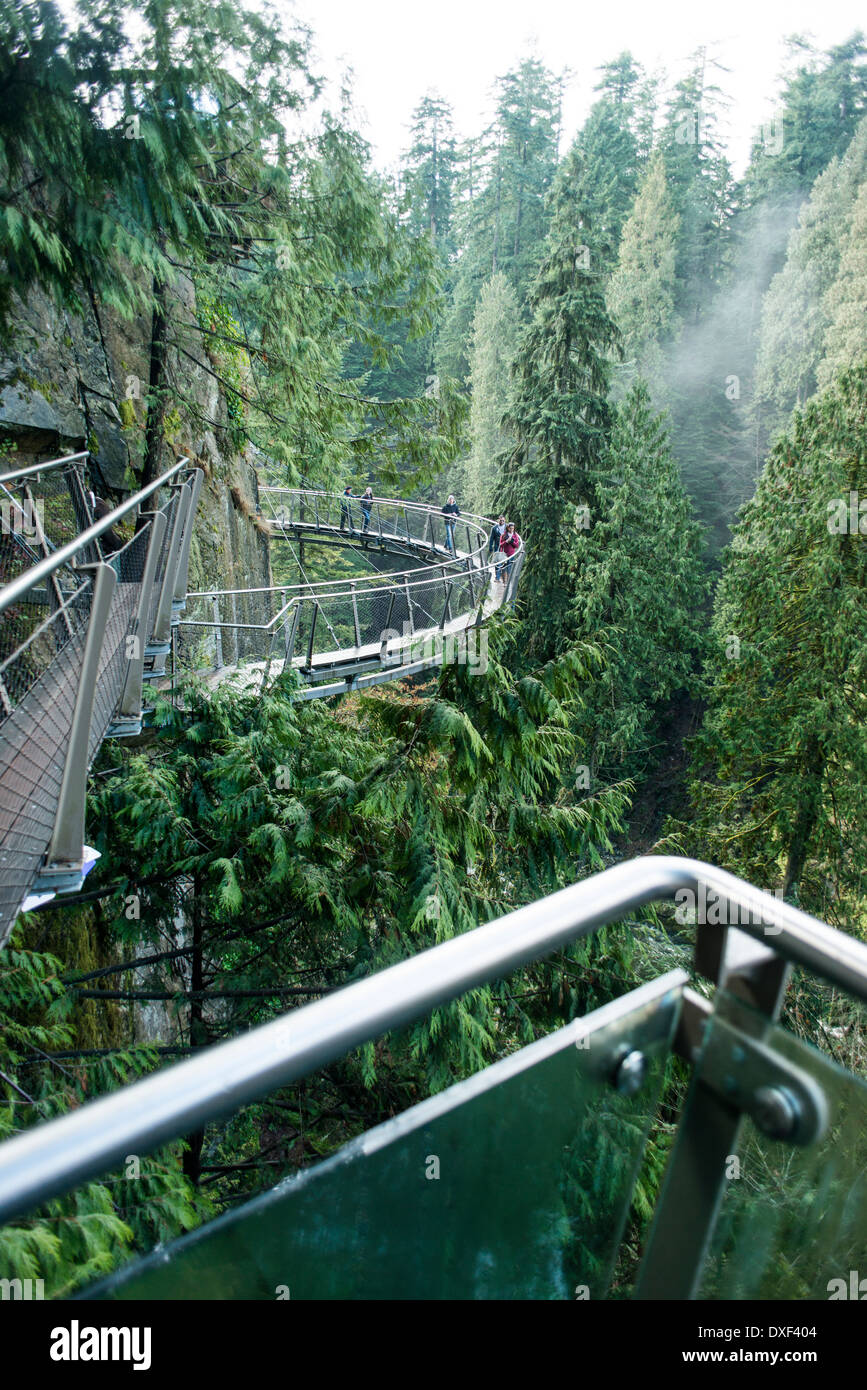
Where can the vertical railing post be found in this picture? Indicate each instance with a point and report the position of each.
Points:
(194, 487)
(292, 635)
(163, 616)
(355, 615)
(409, 608)
(445, 616)
(129, 710)
(218, 633)
(310, 639)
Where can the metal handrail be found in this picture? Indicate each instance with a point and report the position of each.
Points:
(19, 586)
(449, 560)
(32, 468)
(295, 598)
(57, 1156)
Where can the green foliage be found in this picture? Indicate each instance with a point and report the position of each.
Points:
(501, 219)
(494, 341)
(638, 584)
(779, 795)
(559, 415)
(824, 98)
(395, 825)
(72, 1240)
(641, 292)
(137, 156)
(795, 314)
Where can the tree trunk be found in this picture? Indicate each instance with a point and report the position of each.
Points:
(156, 410)
(808, 814)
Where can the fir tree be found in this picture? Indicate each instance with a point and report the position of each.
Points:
(641, 292)
(559, 416)
(794, 313)
(779, 795)
(495, 330)
(638, 584)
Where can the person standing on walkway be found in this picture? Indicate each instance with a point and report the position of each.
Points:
(366, 507)
(450, 511)
(346, 511)
(498, 531)
(510, 546)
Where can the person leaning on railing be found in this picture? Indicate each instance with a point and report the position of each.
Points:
(366, 506)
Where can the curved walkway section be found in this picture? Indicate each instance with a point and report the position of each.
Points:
(85, 617)
(346, 634)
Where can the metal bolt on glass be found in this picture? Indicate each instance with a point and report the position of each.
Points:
(777, 1112)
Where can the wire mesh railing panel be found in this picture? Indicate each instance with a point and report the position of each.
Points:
(38, 688)
(47, 509)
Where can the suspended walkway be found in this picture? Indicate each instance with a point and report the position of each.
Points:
(86, 616)
(94, 608)
(382, 625)
(518, 1182)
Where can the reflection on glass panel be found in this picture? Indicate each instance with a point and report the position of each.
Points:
(513, 1184)
(795, 1219)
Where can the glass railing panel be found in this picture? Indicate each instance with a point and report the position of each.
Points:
(793, 1223)
(514, 1184)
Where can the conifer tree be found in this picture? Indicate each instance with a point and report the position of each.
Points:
(503, 218)
(609, 143)
(781, 766)
(824, 98)
(845, 302)
(559, 414)
(638, 584)
(641, 292)
(794, 312)
(495, 331)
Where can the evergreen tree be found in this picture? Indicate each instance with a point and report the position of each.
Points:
(845, 303)
(494, 341)
(641, 292)
(781, 767)
(559, 415)
(638, 584)
(502, 221)
(824, 98)
(609, 144)
(144, 160)
(794, 314)
(429, 170)
(699, 184)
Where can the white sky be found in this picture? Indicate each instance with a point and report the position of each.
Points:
(401, 49)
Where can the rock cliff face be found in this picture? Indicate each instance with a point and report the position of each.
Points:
(77, 380)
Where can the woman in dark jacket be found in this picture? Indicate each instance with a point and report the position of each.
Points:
(450, 511)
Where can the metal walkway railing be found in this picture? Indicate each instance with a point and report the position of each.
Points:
(349, 633)
(84, 613)
(742, 1065)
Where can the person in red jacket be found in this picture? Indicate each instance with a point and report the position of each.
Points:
(510, 545)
